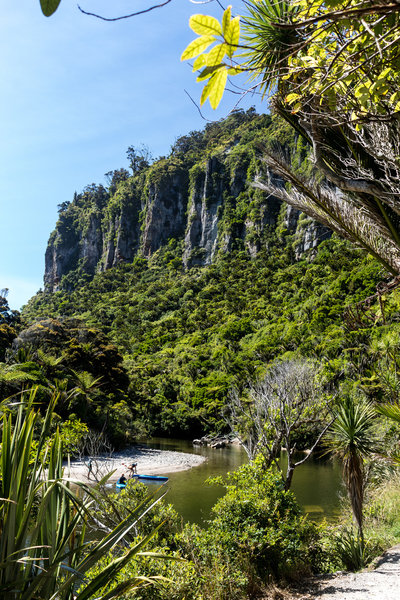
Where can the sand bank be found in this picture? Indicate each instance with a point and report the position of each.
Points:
(149, 461)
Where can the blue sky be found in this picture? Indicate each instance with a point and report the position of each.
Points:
(75, 93)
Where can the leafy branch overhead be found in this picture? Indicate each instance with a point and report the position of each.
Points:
(216, 64)
(331, 50)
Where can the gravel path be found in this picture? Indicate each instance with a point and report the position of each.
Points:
(380, 583)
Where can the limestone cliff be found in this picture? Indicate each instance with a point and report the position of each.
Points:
(201, 194)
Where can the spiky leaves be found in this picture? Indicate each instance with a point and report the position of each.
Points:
(391, 411)
(268, 45)
(334, 65)
(43, 553)
(366, 228)
(352, 439)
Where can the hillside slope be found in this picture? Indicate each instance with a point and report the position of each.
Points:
(200, 280)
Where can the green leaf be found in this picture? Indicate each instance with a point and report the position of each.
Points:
(49, 6)
(205, 25)
(392, 411)
(235, 70)
(232, 36)
(216, 55)
(197, 46)
(208, 72)
(361, 90)
(214, 89)
(386, 73)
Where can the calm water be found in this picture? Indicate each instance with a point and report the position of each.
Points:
(317, 484)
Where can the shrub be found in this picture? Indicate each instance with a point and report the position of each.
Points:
(257, 534)
(353, 553)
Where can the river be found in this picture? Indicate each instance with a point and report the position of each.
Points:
(316, 484)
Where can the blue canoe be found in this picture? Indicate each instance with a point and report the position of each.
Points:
(160, 478)
(154, 477)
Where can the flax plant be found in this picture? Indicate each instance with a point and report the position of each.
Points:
(352, 439)
(43, 552)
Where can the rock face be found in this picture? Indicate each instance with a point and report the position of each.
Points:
(165, 211)
(206, 202)
(201, 236)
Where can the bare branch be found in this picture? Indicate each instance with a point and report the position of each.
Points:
(135, 14)
(274, 409)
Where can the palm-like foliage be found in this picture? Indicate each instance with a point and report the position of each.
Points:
(352, 440)
(360, 161)
(43, 553)
(85, 387)
(16, 375)
(392, 411)
(270, 45)
(370, 227)
(85, 382)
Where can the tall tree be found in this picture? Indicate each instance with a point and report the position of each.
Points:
(287, 400)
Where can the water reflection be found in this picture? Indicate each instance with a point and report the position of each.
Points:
(316, 483)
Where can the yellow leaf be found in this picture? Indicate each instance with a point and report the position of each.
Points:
(199, 63)
(205, 25)
(197, 46)
(232, 36)
(214, 89)
(385, 73)
(226, 19)
(218, 87)
(216, 55)
(292, 97)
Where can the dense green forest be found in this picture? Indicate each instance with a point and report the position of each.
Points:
(188, 337)
(184, 297)
(160, 344)
(183, 337)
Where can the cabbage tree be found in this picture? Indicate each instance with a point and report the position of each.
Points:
(352, 439)
(331, 70)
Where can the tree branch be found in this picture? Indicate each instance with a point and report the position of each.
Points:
(135, 14)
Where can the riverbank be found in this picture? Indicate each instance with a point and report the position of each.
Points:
(149, 461)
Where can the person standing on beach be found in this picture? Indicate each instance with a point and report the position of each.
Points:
(132, 468)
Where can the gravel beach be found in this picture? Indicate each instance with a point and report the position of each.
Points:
(382, 582)
(149, 461)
